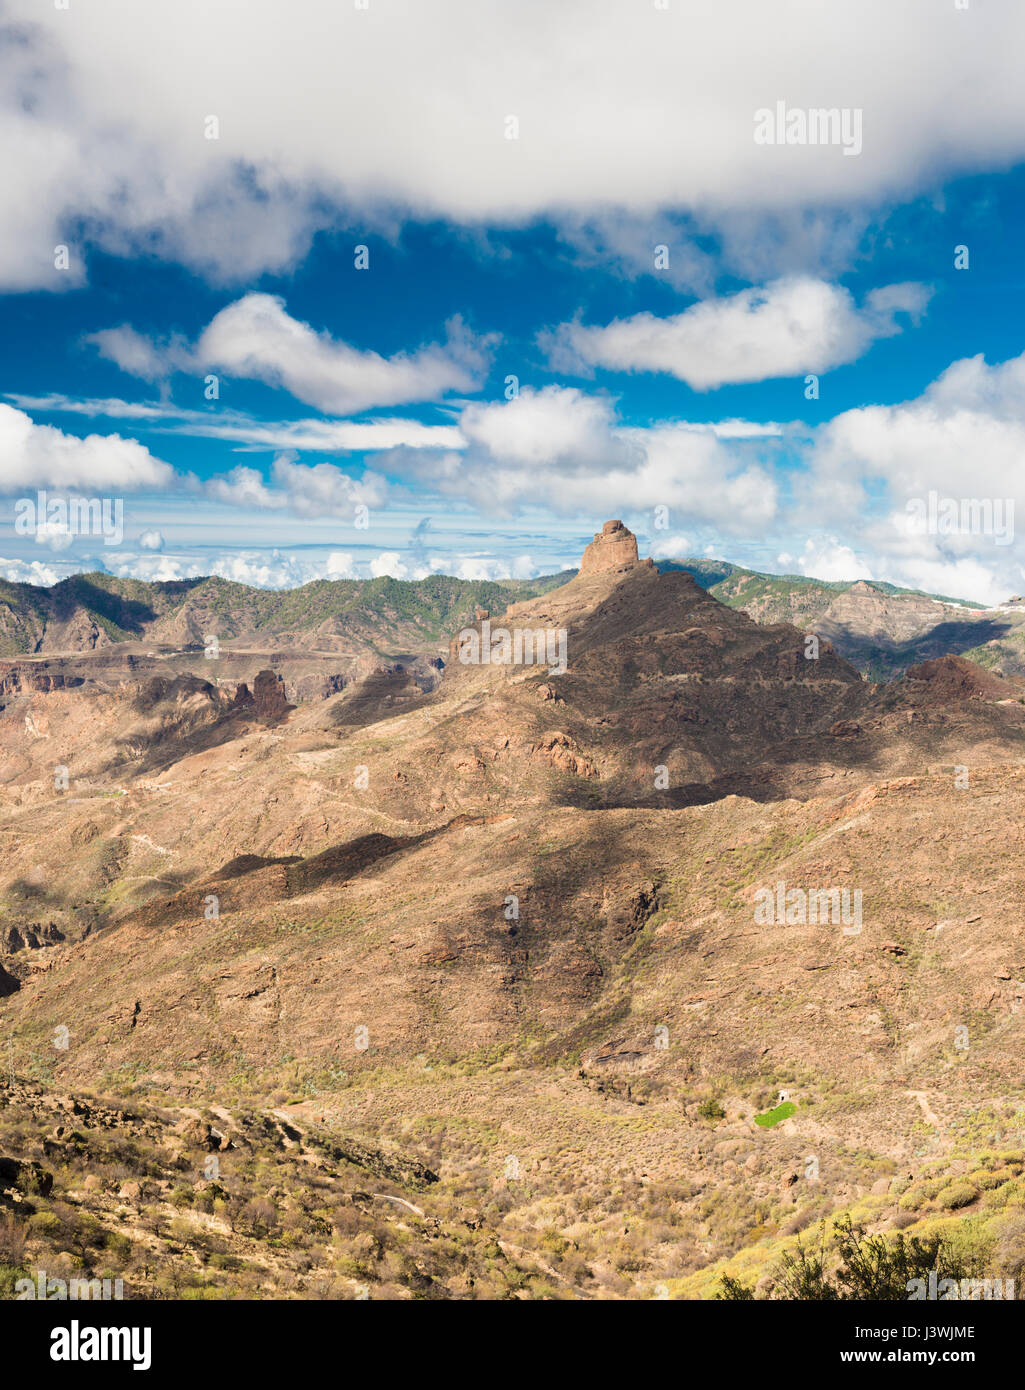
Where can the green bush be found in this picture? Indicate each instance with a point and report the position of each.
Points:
(957, 1194)
(867, 1268)
(9, 1276)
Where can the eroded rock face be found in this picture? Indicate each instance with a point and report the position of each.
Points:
(27, 677)
(269, 697)
(614, 548)
(29, 938)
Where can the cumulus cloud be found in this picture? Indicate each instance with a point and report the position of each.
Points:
(35, 571)
(35, 456)
(963, 437)
(312, 490)
(828, 558)
(787, 328)
(244, 487)
(151, 540)
(140, 356)
(107, 128)
(257, 338)
(556, 425)
(274, 569)
(567, 450)
(928, 567)
(489, 567)
(322, 489)
(670, 547)
(874, 475)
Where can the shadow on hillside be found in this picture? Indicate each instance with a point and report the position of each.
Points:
(945, 639)
(299, 875)
(796, 770)
(80, 593)
(381, 695)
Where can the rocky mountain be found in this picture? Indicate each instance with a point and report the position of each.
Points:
(101, 630)
(639, 908)
(879, 628)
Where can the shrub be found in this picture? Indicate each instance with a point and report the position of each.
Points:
(12, 1239)
(868, 1268)
(957, 1194)
(9, 1277)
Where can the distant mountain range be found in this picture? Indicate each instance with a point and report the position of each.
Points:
(879, 628)
(95, 610)
(319, 638)
(353, 626)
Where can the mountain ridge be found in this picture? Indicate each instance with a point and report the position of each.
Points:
(513, 915)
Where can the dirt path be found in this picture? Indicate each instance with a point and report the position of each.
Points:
(930, 1115)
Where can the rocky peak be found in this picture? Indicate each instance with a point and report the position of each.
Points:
(613, 548)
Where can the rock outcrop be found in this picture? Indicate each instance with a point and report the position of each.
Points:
(34, 937)
(269, 697)
(614, 548)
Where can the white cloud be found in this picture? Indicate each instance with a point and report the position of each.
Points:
(671, 548)
(273, 569)
(566, 450)
(35, 571)
(489, 567)
(399, 566)
(151, 540)
(736, 429)
(554, 426)
(827, 558)
(315, 490)
(38, 456)
(328, 436)
(232, 426)
(55, 534)
(278, 569)
(244, 487)
(257, 338)
(329, 116)
(963, 437)
(339, 565)
(390, 562)
(790, 327)
(138, 355)
(110, 408)
(929, 568)
(322, 489)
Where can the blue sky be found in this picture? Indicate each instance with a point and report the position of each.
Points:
(364, 421)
